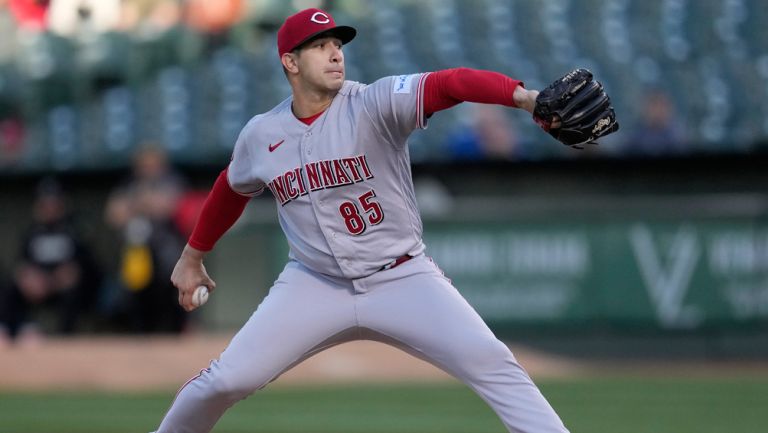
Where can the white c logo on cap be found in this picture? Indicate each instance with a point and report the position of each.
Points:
(323, 20)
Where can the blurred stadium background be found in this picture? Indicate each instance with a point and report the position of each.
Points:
(650, 249)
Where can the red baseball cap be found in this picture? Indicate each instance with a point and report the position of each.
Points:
(309, 24)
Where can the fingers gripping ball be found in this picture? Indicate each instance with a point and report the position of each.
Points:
(581, 105)
(200, 296)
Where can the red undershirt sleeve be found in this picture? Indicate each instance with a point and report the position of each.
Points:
(446, 88)
(220, 211)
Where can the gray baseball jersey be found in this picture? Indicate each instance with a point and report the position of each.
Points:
(342, 184)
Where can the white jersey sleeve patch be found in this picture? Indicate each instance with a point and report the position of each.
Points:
(395, 105)
(402, 83)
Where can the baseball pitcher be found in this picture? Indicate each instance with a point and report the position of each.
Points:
(335, 157)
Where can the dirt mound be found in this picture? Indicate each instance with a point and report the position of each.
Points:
(143, 363)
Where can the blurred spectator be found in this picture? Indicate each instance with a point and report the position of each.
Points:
(30, 14)
(54, 277)
(659, 130)
(11, 140)
(214, 17)
(188, 210)
(488, 135)
(157, 17)
(143, 210)
(72, 17)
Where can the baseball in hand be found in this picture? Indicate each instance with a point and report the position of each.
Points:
(200, 296)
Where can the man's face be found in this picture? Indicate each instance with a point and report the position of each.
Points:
(321, 64)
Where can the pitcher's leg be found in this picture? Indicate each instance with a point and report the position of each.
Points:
(430, 319)
(301, 315)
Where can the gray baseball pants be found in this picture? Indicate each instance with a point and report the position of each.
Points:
(412, 307)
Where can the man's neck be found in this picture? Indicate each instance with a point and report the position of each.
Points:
(309, 103)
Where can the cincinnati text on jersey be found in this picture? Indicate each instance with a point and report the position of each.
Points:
(329, 173)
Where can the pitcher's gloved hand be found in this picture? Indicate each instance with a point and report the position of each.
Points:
(575, 109)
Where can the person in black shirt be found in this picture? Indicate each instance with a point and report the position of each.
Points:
(54, 276)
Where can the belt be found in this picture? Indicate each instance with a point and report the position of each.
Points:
(397, 262)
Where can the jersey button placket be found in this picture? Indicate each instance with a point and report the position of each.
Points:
(306, 144)
(332, 237)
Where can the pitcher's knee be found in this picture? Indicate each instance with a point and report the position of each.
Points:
(231, 385)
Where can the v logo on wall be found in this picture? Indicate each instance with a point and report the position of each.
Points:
(666, 269)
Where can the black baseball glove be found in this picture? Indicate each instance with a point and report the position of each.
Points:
(581, 105)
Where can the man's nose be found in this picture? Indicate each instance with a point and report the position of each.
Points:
(336, 55)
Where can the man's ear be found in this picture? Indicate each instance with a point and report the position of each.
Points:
(289, 61)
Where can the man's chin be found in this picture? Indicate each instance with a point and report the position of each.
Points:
(336, 85)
